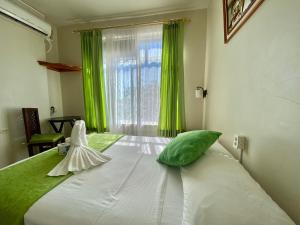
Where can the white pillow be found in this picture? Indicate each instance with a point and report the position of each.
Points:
(219, 191)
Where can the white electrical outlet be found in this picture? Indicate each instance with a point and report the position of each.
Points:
(239, 142)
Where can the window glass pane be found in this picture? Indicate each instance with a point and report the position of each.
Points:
(132, 66)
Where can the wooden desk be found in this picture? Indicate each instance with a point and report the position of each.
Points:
(61, 120)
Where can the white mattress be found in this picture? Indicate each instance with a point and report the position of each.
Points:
(131, 189)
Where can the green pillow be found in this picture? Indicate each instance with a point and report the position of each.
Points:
(188, 147)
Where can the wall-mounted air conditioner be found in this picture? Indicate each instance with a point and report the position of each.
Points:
(24, 17)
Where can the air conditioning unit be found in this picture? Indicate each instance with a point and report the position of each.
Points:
(24, 17)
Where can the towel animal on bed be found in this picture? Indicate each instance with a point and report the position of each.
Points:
(80, 156)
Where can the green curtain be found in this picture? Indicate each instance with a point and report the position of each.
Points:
(172, 115)
(93, 80)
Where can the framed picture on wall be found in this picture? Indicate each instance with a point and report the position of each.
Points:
(236, 13)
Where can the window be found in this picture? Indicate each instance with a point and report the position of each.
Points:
(132, 66)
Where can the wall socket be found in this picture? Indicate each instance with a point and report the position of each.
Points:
(239, 142)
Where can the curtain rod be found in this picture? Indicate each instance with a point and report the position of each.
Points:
(135, 24)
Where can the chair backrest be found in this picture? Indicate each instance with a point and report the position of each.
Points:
(31, 122)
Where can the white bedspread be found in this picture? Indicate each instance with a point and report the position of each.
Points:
(131, 189)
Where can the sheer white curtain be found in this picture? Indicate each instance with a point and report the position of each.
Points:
(132, 65)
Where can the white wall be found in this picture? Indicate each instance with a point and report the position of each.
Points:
(194, 45)
(254, 90)
(23, 83)
(54, 83)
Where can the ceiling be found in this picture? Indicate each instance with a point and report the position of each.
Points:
(65, 12)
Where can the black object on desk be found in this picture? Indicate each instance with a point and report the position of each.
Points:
(61, 120)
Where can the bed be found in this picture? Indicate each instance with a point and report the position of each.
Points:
(134, 189)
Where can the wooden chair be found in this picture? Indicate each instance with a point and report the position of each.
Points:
(33, 132)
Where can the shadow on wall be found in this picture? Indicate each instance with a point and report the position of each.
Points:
(16, 134)
(277, 156)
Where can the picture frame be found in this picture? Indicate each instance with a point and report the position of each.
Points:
(236, 13)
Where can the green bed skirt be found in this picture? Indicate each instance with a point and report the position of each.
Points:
(22, 184)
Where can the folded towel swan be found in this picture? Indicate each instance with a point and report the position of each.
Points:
(80, 156)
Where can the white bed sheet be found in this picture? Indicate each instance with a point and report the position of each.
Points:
(131, 189)
(219, 191)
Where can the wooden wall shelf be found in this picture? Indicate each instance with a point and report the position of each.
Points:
(59, 67)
